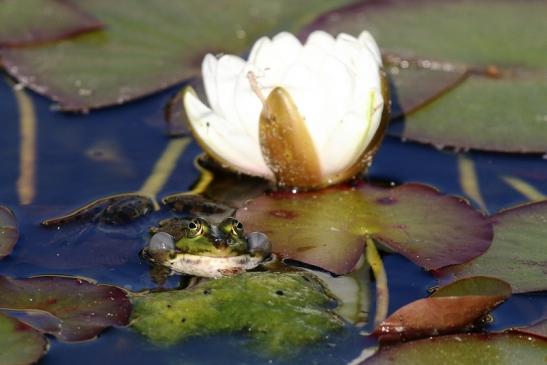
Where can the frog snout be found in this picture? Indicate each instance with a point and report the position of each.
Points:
(259, 243)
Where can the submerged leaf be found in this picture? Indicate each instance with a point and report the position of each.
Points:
(20, 344)
(500, 107)
(517, 254)
(326, 228)
(281, 311)
(38, 21)
(453, 308)
(114, 209)
(148, 46)
(71, 309)
(465, 349)
(9, 233)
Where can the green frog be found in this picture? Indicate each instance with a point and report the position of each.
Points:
(198, 248)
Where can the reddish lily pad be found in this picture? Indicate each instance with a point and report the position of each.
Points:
(451, 309)
(9, 233)
(500, 107)
(148, 47)
(465, 349)
(326, 228)
(517, 255)
(71, 309)
(38, 21)
(537, 329)
(20, 344)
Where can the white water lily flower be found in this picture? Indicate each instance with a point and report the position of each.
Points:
(302, 115)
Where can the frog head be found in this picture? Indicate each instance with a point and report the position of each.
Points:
(209, 250)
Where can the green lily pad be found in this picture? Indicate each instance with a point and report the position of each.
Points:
(20, 344)
(9, 233)
(71, 309)
(517, 255)
(148, 47)
(465, 349)
(453, 308)
(475, 285)
(500, 107)
(326, 228)
(38, 21)
(280, 311)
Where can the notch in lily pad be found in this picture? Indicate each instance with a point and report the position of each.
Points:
(326, 228)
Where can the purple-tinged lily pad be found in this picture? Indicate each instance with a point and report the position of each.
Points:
(148, 47)
(326, 228)
(38, 21)
(453, 308)
(518, 254)
(71, 309)
(537, 329)
(9, 233)
(465, 349)
(501, 106)
(20, 344)
(416, 82)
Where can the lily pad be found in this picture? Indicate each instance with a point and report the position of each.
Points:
(38, 21)
(465, 349)
(517, 255)
(500, 107)
(454, 308)
(149, 47)
(9, 233)
(20, 344)
(71, 309)
(537, 329)
(414, 82)
(287, 311)
(326, 228)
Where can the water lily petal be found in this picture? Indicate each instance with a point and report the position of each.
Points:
(322, 40)
(209, 73)
(352, 134)
(229, 69)
(226, 143)
(367, 39)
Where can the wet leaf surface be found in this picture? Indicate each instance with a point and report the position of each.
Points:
(71, 309)
(9, 233)
(453, 308)
(326, 228)
(517, 255)
(465, 349)
(38, 21)
(20, 344)
(149, 47)
(500, 107)
(288, 311)
(115, 210)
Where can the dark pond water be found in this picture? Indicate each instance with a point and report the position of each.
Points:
(84, 157)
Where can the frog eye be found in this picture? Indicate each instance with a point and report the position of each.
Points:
(237, 227)
(195, 228)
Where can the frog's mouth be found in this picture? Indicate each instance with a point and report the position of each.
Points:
(213, 267)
